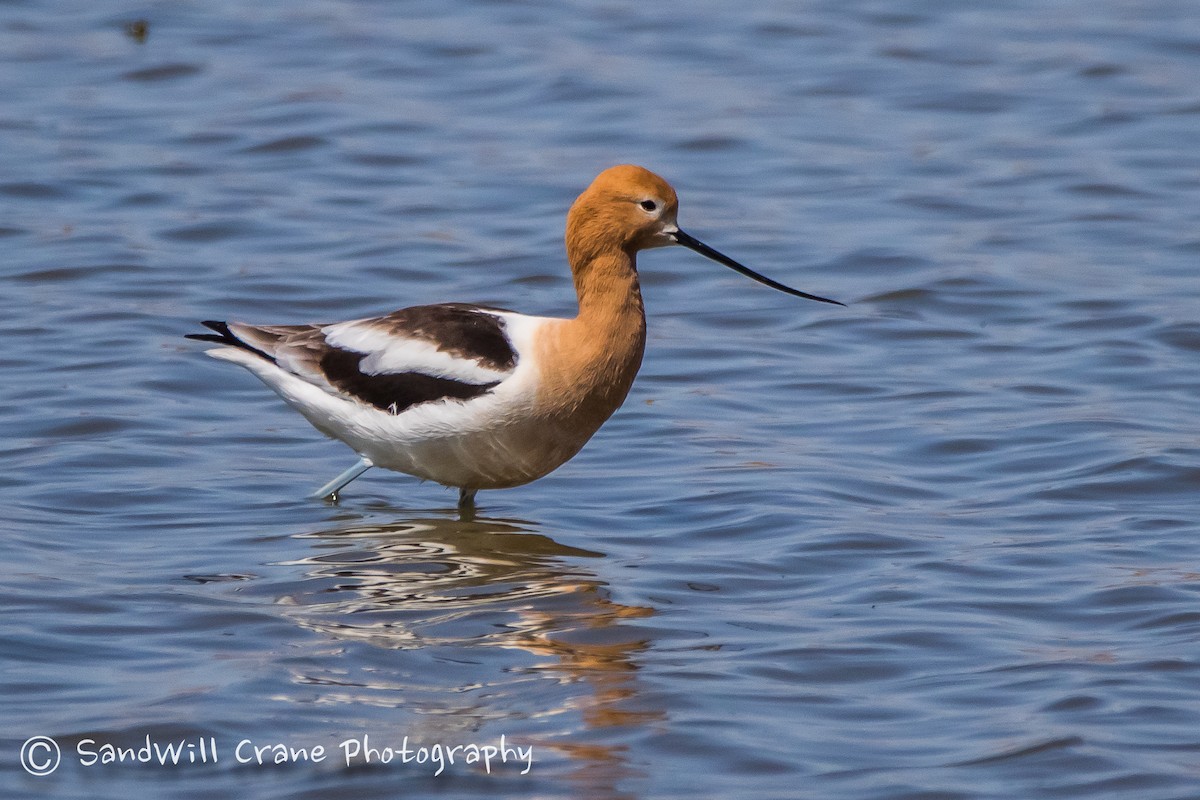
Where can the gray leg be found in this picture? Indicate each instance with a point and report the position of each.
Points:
(466, 498)
(337, 484)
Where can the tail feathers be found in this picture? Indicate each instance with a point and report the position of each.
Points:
(226, 337)
(222, 328)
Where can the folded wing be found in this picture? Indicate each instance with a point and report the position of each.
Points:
(417, 355)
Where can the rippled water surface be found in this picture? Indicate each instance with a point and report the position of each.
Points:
(942, 543)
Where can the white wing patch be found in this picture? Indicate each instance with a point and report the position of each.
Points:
(390, 354)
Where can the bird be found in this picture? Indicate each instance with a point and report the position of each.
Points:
(478, 397)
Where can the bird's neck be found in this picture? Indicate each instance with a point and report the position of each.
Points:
(612, 318)
(597, 353)
(604, 269)
(608, 291)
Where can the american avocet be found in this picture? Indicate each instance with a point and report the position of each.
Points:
(477, 397)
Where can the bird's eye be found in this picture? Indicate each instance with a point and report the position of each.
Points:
(649, 205)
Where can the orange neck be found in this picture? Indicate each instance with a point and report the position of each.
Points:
(596, 355)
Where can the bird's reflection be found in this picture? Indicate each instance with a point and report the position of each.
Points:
(458, 589)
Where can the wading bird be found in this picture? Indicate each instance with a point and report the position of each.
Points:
(477, 397)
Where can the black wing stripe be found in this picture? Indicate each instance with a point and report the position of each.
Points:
(457, 328)
(394, 392)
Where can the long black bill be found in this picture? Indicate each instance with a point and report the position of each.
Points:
(700, 247)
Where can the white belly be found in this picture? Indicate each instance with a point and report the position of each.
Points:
(494, 441)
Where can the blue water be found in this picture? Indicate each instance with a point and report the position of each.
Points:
(943, 543)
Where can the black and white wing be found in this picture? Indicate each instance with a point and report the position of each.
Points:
(423, 354)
